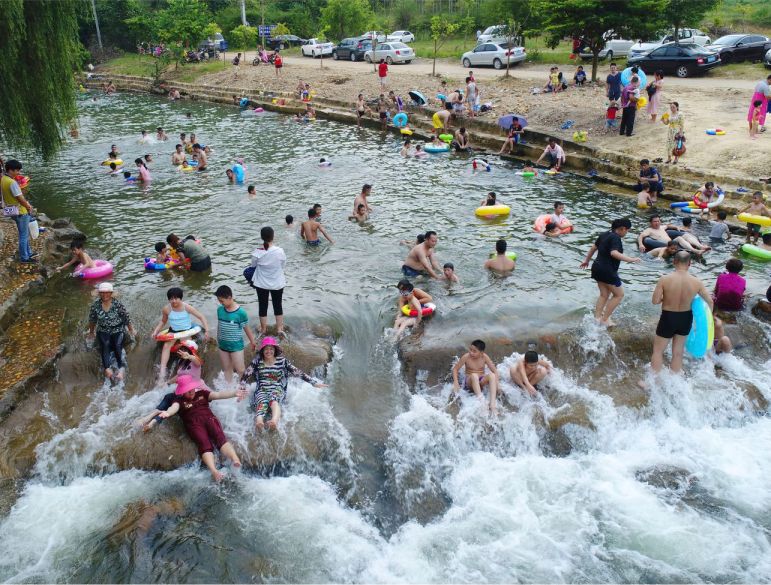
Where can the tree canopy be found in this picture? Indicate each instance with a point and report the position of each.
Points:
(40, 48)
(343, 18)
(680, 13)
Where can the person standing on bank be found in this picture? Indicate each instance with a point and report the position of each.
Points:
(108, 320)
(675, 293)
(610, 251)
(16, 206)
(269, 280)
(629, 96)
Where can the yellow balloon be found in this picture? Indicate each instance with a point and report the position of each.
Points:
(642, 102)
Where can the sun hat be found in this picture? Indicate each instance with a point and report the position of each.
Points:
(104, 287)
(185, 344)
(269, 341)
(185, 383)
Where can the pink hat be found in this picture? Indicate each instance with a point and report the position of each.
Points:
(268, 341)
(186, 383)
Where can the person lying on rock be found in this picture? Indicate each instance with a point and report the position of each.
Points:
(203, 427)
(474, 377)
(529, 371)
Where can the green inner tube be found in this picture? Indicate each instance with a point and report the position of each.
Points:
(756, 251)
(446, 138)
(509, 255)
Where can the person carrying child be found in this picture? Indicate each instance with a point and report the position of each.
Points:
(529, 371)
(476, 377)
(270, 370)
(232, 323)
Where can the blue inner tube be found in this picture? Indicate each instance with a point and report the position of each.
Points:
(431, 148)
(151, 264)
(244, 102)
(400, 120)
(677, 204)
(238, 171)
(700, 338)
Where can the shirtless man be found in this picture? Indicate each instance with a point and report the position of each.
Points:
(675, 293)
(178, 156)
(441, 120)
(656, 236)
(501, 264)
(422, 261)
(362, 198)
(309, 230)
(461, 140)
(475, 361)
(529, 371)
(201, 156)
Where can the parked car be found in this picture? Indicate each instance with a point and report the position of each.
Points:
(767, 59)
(493, 34)
(353, 49)
(391, 52)
(494, 54)
(682, 60)
(215, 43)
(741, 47)
(613, 48)
(284, 41)
(685, 36)
(315, 48)
(375, 34)
(402, 36)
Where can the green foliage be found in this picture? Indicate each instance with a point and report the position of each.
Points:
(343, 18)
(441, 29)
(281, 29)
(38, 42)
(736, 15)
(589, 20)
(186, 22)
(404, 14)
(112, 16)
(242, 37)
(680, 13)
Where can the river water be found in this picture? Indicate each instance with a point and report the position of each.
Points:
(385, 482)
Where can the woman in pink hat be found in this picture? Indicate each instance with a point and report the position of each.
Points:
(192, 404)
(271, 371)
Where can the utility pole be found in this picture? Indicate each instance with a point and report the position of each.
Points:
(243, 13)
(96, 20)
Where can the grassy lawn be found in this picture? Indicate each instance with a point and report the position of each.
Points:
(143, 65)
(130, 64)
(538, 52)
(453, 48)
(745, 70)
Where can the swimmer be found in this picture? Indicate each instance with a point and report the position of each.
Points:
(706, 195)
(112, 156)
(766, 242)
(501, 264)
(448, 271)
(690, 237)
(644, 199)
(406, 148)
(491, 199)
(324, 163)
(419, 240)
(178, 156)
(144, 138)
(366, 190)
(200, 155)
(162, 253)
(317, 209)
(419, 152)
(115, 169)
(529, 371)
(160, 135)
(361, 214)
(422, 260)
(289, 221)
(79, 256)
(552, 230)
(675, 293)
(309, 230)
(231, 176)
(250, 191)
(127, 176)
(114, 152)
(665, 253)
(415, 298)
(475, 378)
(148, 158)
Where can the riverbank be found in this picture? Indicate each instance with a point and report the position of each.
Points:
(608, 158)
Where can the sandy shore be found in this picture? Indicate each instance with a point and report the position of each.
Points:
(706, 102)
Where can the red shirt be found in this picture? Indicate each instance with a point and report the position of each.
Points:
(612, 112)
(278, 62)
(189, 410)
(382, 69)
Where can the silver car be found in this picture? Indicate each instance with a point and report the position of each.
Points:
(493, 54)
(767, 59)
(391, 52)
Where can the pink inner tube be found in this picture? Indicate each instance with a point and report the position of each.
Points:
(102, 268)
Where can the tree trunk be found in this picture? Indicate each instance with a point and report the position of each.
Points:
(433, 69)
(595, 61)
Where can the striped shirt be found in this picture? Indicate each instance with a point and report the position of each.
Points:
(230, 328)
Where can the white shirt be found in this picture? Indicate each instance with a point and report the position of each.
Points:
(557, 151)
(269, 268)
(763, 87)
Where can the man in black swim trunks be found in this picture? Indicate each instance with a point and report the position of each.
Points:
(610, 253)
(422, 260)
(675, 293)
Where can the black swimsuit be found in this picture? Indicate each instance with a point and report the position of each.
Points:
(674, 323)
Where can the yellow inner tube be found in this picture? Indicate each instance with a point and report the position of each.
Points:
(756, 219)
(107, 162)
(492, 210)
(406, 131)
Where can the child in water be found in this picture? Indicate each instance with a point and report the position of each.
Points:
(162, 253)
(475, 360)
(79, 256)
(361, 214)
(529, 371)
(448, 270)
(415, 298)
(114, 169)
(127, 176)
(755, 208)
(309, 230)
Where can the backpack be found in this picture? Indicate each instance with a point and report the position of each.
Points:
(249, 275)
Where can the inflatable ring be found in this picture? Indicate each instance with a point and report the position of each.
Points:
(551, 172)
(258, 110)
(702, 331)
(426, 310)
(117, 161)
(492, 211)
(101, 268)
(166, 336)
(539, 225)
(715, 131)
(244, 102)
(325, 164)
(405, 131)
(526, 173)
(400, 120)
(436, 149)
(480, 162)
(756, 251)
(441, 97)
(239, 172)
(22, 181)
(445, 138)
(186, 168)
(703, 205)
(756, 219)
(151, 264)
(509, 255)
(678, 204)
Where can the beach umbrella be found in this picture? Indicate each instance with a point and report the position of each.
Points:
(417, 97)
(626, 76)
(505, 121)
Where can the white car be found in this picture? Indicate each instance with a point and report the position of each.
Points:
(685, 36)
(402, 36)
(493, 34)
(613, 48)
(494, 54)
(391, 52)
(375, 34)
(315, 48)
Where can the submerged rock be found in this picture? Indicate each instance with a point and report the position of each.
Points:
(762, 310)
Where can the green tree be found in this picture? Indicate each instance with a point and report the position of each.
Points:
(281, 29)
(680, 13)
(184, 21)
(39, 48)
(592, 20)
(341, 18)
(243, 37)
(441, 29)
